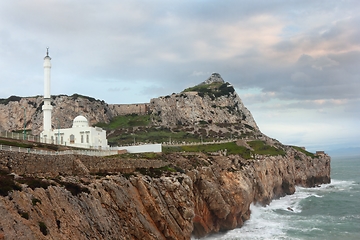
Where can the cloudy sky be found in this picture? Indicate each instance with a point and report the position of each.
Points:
(295, 64)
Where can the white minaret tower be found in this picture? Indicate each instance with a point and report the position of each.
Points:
(47, 108)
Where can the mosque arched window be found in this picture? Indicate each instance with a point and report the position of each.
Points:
(72, 138)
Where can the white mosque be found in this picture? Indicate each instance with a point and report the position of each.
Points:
(80, 134)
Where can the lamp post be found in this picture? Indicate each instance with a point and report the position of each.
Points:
(24, 132)
(58, 138)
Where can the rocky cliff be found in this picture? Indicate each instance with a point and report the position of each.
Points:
(212, 101)
(192, 194)
(17, 111)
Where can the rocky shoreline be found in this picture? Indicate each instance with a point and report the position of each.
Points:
(203, 194)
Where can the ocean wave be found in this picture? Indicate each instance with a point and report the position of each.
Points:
(334, 186)
(300, 215)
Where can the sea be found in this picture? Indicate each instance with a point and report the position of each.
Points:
(330, 211)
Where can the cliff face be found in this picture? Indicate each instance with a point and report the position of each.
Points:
(212, 197)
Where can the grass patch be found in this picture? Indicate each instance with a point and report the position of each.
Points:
(231, 148)
(309, 154)
(259, 148)
(263, 149)
(153, 135)
(131, 120)
(15, 144)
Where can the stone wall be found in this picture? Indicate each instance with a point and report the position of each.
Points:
(124, 109)
(65, 165)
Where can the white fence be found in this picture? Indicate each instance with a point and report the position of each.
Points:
(43, 152)
(20, 136)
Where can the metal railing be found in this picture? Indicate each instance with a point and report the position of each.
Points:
(36, 138)
(66, 152)
(174, 143)
(20, 136)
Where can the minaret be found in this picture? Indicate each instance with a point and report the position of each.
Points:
(47, 108)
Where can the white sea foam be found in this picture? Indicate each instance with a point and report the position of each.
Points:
(334, 186)
(273, 221)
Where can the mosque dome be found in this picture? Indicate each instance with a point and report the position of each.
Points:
(80, 121)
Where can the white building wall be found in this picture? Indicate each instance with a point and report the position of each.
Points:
(140, 148)
(83, 137)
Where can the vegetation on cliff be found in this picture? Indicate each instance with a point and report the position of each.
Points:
(213, 90)
(5, 101)
(256, 148)
(126, 121)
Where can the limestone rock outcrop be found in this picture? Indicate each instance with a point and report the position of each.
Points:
(218, 105)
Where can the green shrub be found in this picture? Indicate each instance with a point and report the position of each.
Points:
(35, 201)
(7, 184)
(24, 214)
(213, 90)
(10, 99)
(43, 228)
(76, 96)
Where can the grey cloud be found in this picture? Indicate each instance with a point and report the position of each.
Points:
(303, 56)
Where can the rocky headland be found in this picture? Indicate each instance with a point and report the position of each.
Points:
(184, 191)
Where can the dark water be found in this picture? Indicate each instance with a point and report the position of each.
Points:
(331, 211)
